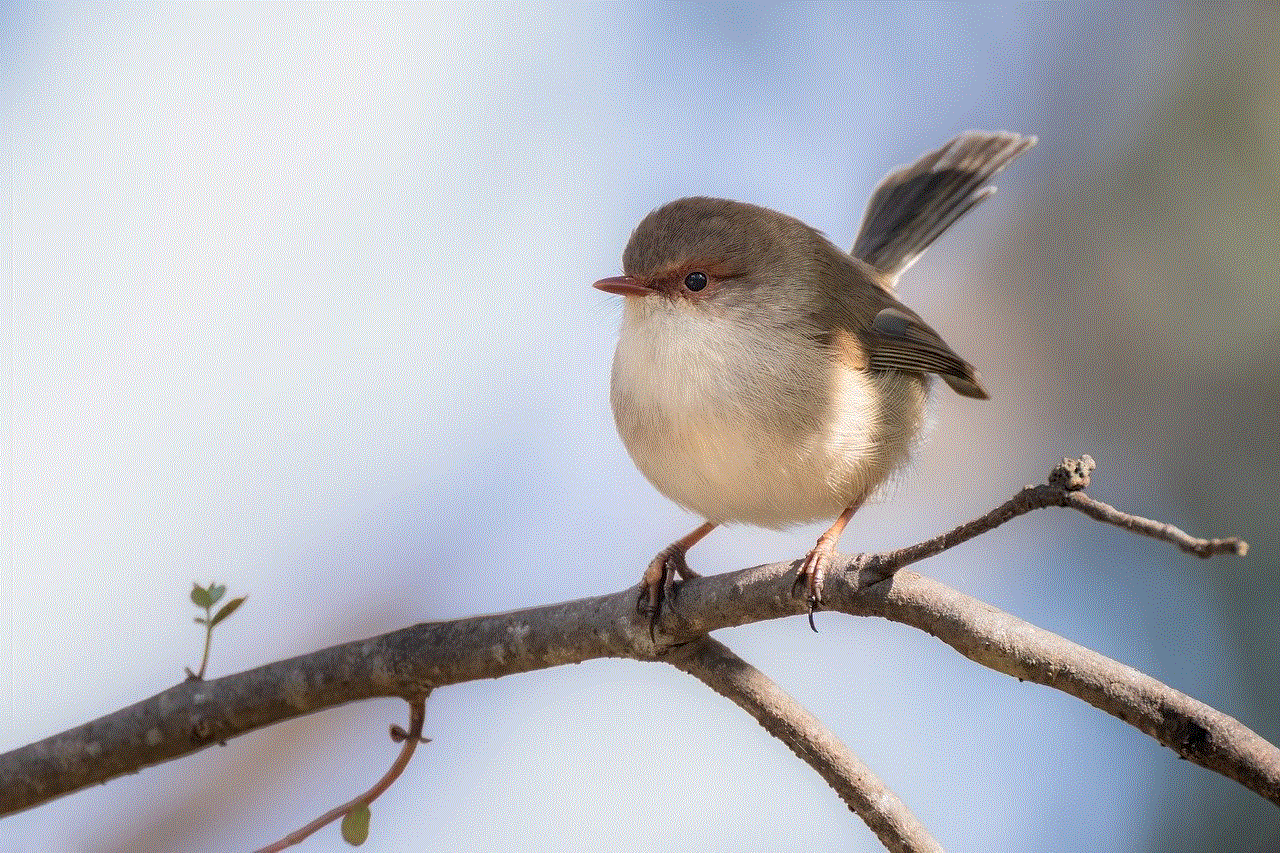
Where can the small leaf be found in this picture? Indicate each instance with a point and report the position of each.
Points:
(355, 825)
(199, 620)
(216, 591)
(228, 608)
(200, 596)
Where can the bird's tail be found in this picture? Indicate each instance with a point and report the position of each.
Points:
(914, 204)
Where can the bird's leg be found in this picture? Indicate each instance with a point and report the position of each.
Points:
(814, 568)
(660, 575)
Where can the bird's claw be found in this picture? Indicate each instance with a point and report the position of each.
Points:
(659, 584)
(809, 580)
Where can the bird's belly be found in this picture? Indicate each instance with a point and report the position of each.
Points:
(714, 448)
(736, 473)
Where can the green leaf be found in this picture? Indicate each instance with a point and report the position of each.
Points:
(200, 596)
(216, 591)
(228, 608)
(355, 825)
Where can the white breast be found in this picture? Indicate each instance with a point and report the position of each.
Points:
(757, 426)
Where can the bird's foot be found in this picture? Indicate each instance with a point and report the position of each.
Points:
(659, 583)
(811, 575)
(814, 568)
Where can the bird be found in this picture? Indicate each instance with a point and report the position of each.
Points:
(764, 376)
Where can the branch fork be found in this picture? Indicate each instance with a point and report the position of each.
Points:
(411, 662)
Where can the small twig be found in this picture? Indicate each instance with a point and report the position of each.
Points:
(411, 739)
(1065, 487)
(1155, 529)
(866, 795)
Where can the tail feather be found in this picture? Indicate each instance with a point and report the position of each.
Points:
(914, 204)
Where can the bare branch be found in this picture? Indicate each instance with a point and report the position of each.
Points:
(407, 663)
(1007, 644)
(1156, 529)
(732, 677)
(1066, 485)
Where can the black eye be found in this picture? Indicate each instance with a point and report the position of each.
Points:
(695, 281)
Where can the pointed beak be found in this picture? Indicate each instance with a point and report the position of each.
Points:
(624, 285)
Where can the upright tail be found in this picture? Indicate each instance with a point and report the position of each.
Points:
(914, 204)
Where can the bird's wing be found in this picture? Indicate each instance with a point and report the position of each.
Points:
(899, 340)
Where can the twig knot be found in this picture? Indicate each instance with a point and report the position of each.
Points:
(1072, 475)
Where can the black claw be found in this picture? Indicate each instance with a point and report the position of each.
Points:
(813, 608)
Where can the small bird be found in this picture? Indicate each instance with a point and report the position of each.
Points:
(764, 376)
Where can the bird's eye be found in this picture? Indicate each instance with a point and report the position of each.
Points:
(695, 281)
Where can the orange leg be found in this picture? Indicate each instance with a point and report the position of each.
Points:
(814, 568)
(662, 571)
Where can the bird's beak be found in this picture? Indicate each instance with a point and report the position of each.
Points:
(624, 285)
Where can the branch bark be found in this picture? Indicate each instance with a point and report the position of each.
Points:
(410, 662)
(857, 784)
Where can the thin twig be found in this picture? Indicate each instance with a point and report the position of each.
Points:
(729, 675)
(1156, 529)
(1065, 487)
(411, 739)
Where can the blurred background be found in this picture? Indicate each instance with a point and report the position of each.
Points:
(299, 300)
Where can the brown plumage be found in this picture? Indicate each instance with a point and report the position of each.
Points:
(765, 376)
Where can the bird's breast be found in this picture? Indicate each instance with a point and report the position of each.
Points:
(758, 425)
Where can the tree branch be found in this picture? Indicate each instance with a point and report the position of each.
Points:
(410, 662)
(784, 718)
